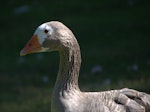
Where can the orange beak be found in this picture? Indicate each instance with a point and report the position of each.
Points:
(31, 47)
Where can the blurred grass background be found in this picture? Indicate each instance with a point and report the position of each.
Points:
(114, 37)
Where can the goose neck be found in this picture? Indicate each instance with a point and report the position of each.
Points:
(70, 60)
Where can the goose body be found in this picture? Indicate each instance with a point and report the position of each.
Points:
(67, 97)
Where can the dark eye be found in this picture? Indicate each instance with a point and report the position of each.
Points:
(45, 31)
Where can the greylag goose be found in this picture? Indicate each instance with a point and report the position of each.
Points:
(67, 97)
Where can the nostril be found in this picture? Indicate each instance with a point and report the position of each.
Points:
(30, 44)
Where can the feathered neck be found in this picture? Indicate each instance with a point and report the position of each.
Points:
(70, 61)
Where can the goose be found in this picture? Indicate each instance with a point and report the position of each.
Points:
(67, 97)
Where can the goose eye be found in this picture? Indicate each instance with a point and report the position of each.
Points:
(45, 31)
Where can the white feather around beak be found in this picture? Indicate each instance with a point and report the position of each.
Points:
(41, 34)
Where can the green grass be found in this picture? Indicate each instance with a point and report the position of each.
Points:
(111, 34)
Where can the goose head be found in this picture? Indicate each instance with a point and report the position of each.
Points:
(50, 36)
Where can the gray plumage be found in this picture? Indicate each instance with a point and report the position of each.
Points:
(67, 96)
